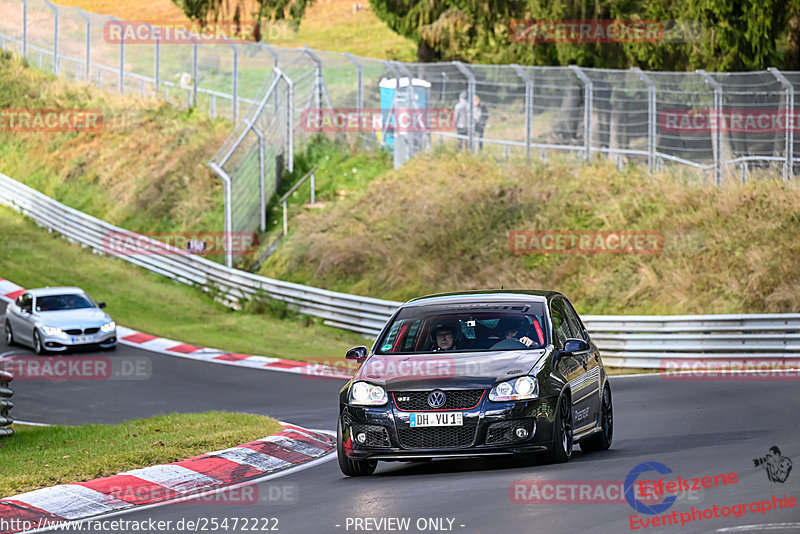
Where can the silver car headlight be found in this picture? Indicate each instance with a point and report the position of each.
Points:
(522, 388)
(108, 327)
(365, 394)
(53, 331)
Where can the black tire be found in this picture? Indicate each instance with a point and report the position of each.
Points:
(38, 348)
(9, 335)
(602, 440)
(352, 468)
(561, 448)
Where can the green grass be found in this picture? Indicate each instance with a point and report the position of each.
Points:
(154, 304)
(442, 222)
(342, 171)
(37, 457)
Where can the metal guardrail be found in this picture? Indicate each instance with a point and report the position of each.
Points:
(646, 341)
(5, 404)
(360, 314)
(625, 340)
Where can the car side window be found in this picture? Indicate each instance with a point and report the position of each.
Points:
(574, 322)
(25, 302)
(560, 324)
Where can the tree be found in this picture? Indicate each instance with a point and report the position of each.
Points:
(710, 34)
(205, 11)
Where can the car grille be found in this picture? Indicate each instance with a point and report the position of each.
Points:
(91, 330)
(457, 399)
(74, 331)
(440, 437)
(504, 431)
(377, 436)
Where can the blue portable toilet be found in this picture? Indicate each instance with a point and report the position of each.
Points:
(394, 95)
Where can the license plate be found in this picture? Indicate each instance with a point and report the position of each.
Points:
(437, 419)
(83, 339)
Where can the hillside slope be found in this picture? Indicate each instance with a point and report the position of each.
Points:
(144, 168)
(443, 222)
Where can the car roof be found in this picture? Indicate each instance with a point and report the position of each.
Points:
(45, 291)
(488, 295)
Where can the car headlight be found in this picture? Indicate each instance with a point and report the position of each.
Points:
(108, 327)
(53, 331)
(522, 388)
(367, 395)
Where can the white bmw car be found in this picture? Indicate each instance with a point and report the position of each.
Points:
(54, 319)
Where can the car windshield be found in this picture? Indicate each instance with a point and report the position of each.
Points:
(71, 301)
(466, 328)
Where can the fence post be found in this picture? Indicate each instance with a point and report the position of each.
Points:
(25, 29)
(588, 90)
(319, 82)
(121, 78)
(274, 55)
(157, 61)
(285, 220)
(289, 120)
(262, 201)
(88, 21)
(470, 100)
(235, 95)
(54, 8)
(313, 184)
(790, 122)
(360, 89)
(528, 109)
(226, 180)
(194, 72)
(651, 118)
(717, 141)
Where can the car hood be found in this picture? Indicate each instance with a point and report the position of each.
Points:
(473, 370)
(88, 317)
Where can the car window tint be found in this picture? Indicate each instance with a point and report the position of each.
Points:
(576, 330)
(26, 301)
(63, 302)
(560, 325)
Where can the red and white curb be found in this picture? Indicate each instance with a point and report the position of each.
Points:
(179, 481)
(9, 291)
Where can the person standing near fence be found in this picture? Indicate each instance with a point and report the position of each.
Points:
(461, 118)
(480, 115)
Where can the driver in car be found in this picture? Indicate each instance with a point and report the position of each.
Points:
(444, 335)
(510, 327)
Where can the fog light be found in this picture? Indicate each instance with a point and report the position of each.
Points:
(361, 437)
(521, 432)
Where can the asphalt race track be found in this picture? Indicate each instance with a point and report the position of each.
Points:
(696, 428)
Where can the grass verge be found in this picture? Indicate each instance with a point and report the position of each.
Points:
(38, 457)
(151, 303)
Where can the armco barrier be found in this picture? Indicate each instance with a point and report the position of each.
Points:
(628, 341)
(5, 404)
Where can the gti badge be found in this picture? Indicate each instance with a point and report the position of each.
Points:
(436, 399)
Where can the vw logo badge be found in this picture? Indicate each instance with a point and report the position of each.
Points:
(436, 399)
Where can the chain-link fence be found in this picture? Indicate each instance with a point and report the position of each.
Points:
(724, 126)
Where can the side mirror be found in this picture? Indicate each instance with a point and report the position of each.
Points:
(358, 354)
(575, 345)
(101, 305)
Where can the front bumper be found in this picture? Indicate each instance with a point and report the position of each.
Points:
(103, 340)
(488, 430)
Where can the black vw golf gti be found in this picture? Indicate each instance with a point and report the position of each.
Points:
(472, 374)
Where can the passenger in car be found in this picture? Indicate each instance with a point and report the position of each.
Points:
(510, 327)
